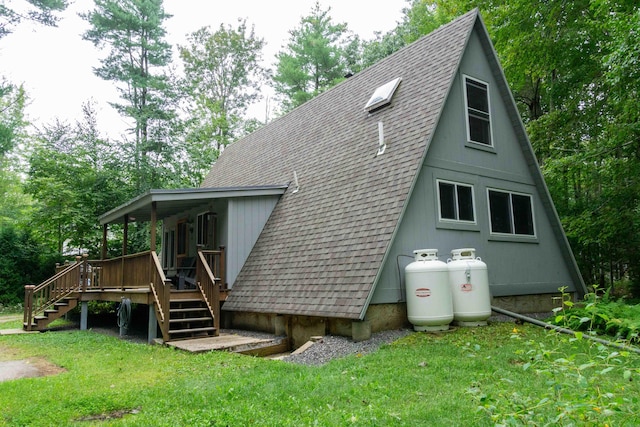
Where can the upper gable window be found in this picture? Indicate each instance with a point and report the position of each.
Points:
(456, 202)
(382, 95)
(476, 94)
(511, 213)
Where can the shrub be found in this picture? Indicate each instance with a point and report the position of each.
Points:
(22, 261)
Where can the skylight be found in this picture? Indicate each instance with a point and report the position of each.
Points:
(383, 94)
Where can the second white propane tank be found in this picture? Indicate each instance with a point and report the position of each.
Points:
(469, 283)
(429, 304)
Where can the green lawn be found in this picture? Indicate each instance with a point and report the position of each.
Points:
(515, 376)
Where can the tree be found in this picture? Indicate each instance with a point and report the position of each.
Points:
(23, 261)
(315, 59)
(74, 177)
(12, 103)
(222, 78)
(41, 11)
(134, 31)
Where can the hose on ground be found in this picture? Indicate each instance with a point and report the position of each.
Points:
(563, 330)
(124, 313)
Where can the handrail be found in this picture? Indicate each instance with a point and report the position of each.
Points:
(62, 284)
(161, 289)
(208, 284)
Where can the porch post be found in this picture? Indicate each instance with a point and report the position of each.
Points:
(153, 226)
(84, 314)
(125, 236)
(153, 324)
(105, 229)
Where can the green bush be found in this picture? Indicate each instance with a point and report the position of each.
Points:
(601, 315)
(22, 261)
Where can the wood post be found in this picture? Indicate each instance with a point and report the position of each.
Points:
(85, 271)
(154, 220)
(84, 315)
(28, 305)
(105, 229)
(223, 277)
(125, 236)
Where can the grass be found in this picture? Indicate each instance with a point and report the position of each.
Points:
(476, 376)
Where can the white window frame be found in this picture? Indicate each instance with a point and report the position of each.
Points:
(457, 207)
(511, 216)
(466, 78)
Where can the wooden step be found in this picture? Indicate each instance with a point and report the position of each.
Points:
(191, 330)
(187, 301)
(189, 310)
(191, 319)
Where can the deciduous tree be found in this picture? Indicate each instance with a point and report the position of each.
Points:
(222, 79)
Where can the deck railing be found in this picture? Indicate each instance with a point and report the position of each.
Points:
(141, 270)
(68, 279)
(210, 279)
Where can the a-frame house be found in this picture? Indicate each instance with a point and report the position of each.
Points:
(316, 209)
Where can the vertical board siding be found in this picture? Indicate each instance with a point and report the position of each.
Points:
(247, 217)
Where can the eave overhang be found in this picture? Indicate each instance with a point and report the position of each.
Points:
(171, 202)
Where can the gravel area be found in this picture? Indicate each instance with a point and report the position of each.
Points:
(332, 347)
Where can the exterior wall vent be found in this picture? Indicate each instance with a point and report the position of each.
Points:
(382, 95)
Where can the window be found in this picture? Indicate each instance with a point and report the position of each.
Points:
(456, 201)
(382, 95)
(511, 213)
(206, 229)
(181, 247)
(169, 249)
(476, 96)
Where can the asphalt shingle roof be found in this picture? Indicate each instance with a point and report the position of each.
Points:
(322, 248)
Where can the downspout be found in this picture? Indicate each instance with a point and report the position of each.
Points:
(563, 330)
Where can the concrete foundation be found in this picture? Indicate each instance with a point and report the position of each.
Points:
(539, 303)
(379, 317)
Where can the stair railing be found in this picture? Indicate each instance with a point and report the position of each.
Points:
(67, 280)
(209, 279)
(161, 289)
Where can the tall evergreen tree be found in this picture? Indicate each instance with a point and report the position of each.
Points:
(41, 11)
(316, 57)
(134, 32)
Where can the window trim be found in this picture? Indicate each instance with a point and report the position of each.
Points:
(470, 142)
(512, 236)
(457, 207)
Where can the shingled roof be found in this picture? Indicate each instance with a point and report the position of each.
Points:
(323, 246)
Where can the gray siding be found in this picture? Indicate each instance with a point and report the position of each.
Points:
(516, 265)
(245, 221)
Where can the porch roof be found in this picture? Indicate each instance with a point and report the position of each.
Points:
(169, 202)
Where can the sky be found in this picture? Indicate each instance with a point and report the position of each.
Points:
(56, 66)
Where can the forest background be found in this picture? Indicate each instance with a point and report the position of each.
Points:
(573, 67)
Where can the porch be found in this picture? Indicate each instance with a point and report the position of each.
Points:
(176, 313)
(182, 279)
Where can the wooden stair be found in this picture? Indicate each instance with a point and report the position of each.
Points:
(59, 309)
(189, 316)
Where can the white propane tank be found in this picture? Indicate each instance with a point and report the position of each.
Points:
(429, 304)
(469, 282)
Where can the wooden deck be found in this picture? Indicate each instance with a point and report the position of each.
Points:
(225, 342)
(140, 278)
